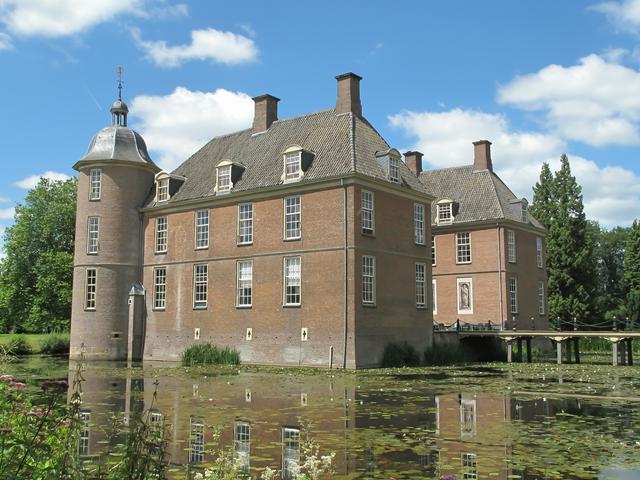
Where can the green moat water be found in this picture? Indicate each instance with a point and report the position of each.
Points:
(465, 422)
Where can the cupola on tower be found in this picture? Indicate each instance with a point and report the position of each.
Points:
(115, 176)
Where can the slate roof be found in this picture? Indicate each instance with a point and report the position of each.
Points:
(342, 144)
(480, 194)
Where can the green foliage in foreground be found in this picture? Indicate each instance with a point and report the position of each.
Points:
(446, 355)
(47, 343)
(18, 345)
(55, 344)
(207, 354)
(400, 354)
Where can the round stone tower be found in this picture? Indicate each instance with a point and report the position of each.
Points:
(115, 177)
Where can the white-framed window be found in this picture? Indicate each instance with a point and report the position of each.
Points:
(368, 212)
(394, 169)
(445, 213)
(196, 440)
(223, 181)
(511, 246)
(524, 211)
(368, 280)
(468, 416)
(292, 166)
(539, 257)
(465, 295)
(541, 297)
(162, 234)
(242, 445)
(433, 251)
(202, 229)
(163, 190)
(93, 228)
(90, 289)
(245, 223)
(290, 451)
(434, 295)
(155, 422)
(463, 247)
(421, 277)
(513, 294)
(85, 433)
(292, 217)
(159, 288)
(469, 466)
(292, 280)
(245, 283)
(418, 223)
(95, 183)
(200, 285)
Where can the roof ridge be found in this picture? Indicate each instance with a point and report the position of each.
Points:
(352, 141)
(458, 167)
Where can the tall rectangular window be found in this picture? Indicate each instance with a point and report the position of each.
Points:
(83, 444)
(90, 289)
(292, 280)
(196, 440)
(290, 451)
(202, 229)
(245, 283)
(418, 223)
(524, 212)
(434, 295)
(469, 467)
(242, 444)
(224, 178)
(511, 246)
(162, 234)
(163, 190)
(513, 294)
(539, 258)
(95, 183)
(160, 288)
(200, 284)
(292, 213)
(292, 166)
(421, 297)
(433, 251)
(368, 212)
(463, 247)
(541, 297)
(245, 223)
(93, 227)
(368, 280)
(394, 173)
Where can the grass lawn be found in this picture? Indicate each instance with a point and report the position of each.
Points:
(35, 340)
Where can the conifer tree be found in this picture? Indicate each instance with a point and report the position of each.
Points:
(543, 197)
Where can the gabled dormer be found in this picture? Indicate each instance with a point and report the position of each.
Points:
(296, 161)
(167, 185)
(446, 210)
(227, 174)
(389, 161)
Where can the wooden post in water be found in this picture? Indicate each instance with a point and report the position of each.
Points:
(614, 351)
(559, 352)
(528, 350)
(509, 351)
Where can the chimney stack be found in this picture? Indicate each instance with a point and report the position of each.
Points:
(266, 112)
(349, 94)
(482, 155)
(413, 160)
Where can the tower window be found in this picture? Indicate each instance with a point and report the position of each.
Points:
(513, 294)
(421, 297)
(368, 280)
(368, 213)
(539, 258)
(418, 223)
(541, 297)
(90, 289)
(511, 246)
(95, 181)
(93, 226)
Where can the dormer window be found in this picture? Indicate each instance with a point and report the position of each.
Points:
(163, 190)
(445, 212)
(394, 174)
(224, 178)
(292, 166)
(524, 214)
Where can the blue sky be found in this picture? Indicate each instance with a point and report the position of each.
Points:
(537, 78)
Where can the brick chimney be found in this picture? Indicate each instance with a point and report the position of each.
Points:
(413, 160)
(266, 112)
(349, 94)
(482, 155)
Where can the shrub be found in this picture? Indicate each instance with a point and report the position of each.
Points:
(400, 355)
(19, 345)
(445, 355)
(55, 344)
(207, 354)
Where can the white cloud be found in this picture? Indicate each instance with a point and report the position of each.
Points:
(177, 125)
(611, 193)
(5, 42)
(7, 213)
(625, 15)
(31, 181)
(582, 102)
(209, 44)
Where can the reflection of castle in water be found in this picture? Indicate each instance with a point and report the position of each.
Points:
(264, 418)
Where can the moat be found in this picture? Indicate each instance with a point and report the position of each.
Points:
(484, 421)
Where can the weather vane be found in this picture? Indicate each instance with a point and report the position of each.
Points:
(119, 71)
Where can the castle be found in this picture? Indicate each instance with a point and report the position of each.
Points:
(304, 241)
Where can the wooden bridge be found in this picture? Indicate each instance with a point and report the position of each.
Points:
(621, 342)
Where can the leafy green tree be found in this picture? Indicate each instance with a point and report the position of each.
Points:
(631, 277)
(610, 246)
(570, 252)
(35, 276)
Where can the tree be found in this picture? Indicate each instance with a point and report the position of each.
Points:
(35, 276)
(570, 261)
(610, 246)
(631, 277)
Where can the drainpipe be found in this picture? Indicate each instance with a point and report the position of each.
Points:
(498, 229)
(346, 277)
